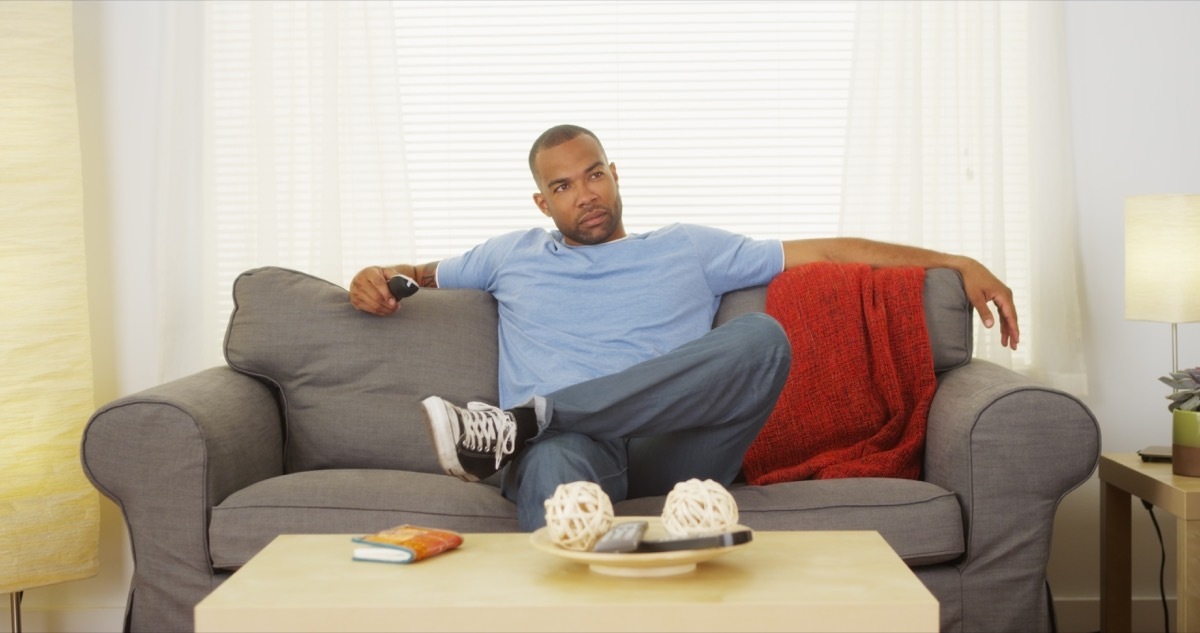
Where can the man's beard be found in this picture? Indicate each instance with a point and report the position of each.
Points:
(598, 234)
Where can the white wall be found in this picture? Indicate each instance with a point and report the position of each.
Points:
(1134, 81)
(1134, 73)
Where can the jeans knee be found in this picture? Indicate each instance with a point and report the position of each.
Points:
(567, 457)
(765, 337)
(559, 458)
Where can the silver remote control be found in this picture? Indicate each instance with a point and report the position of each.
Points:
(621, 538)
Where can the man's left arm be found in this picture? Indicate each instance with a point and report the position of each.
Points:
(982, 287)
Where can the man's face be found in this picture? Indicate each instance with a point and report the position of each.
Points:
(577, 188)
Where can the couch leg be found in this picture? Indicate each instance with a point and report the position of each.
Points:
(1050, 607)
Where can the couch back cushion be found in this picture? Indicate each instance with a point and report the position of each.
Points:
(351, 383)
(948, 315)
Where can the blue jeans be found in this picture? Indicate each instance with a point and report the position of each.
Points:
(690, 413)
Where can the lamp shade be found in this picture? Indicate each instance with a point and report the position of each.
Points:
(49, 512)
(1162, 258)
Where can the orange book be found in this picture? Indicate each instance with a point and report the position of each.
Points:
(406, 544)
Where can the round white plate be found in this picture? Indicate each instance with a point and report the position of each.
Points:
(639, 565)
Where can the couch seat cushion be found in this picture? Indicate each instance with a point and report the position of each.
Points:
(920, 520)
(350, 502)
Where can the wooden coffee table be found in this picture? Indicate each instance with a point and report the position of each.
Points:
(782, 581)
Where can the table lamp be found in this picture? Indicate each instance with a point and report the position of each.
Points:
(1162, 283)
(49, 512)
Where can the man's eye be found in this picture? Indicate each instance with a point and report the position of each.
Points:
(597, 175)
(560, 189)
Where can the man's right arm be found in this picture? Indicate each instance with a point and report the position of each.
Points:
(369, 291)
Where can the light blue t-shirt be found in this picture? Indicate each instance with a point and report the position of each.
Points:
(574, 313)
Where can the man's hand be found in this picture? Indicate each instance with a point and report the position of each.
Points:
(369, 291)
(982, 288)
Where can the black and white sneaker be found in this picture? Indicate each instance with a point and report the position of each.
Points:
(475, 442)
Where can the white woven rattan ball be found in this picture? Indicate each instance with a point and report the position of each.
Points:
(577, 515)
(699, 508)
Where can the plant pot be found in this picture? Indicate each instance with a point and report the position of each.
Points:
(1185, 443)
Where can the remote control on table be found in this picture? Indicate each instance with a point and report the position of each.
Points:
(623, 537)
(402, 286)
(727, 539)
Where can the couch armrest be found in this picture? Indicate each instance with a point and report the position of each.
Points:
(166, 456)
(1011, 450)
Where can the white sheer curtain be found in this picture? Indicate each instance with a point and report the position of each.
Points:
(250, 169)
(308, 113)
(958, 141)
(304, 156)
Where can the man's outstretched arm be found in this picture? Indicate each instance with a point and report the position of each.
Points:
(982, 287)
(369, 291)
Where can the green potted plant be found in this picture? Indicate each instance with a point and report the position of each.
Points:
(1185, 421)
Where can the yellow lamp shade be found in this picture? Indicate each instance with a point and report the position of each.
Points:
(49, 512)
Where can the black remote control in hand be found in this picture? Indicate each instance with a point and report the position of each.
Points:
(402, 286)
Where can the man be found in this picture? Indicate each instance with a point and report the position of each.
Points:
(609, 369)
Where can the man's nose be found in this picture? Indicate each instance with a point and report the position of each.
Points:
(588, 193)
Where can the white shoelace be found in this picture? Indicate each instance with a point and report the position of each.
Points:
(486, 428)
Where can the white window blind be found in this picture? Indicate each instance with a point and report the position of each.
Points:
(348, 134)
(728, 114)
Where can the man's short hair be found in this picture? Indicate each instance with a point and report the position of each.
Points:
(555, 136)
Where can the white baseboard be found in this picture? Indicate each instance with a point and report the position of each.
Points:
(43, 620)
(1082, 615)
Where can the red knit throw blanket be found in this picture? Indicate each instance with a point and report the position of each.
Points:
(857, 398)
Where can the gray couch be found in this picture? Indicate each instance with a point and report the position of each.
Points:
(314, 427)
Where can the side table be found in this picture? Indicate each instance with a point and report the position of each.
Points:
(1123, 475)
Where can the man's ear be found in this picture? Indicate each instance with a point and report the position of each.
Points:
(613, 168)
(540, 201)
